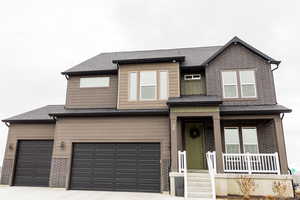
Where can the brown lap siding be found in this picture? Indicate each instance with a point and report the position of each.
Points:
(102, 97)
(109, 129)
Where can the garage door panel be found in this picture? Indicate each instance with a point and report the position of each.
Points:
(33, 162)
(117, 166)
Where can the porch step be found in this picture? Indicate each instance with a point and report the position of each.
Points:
(199, 185)
(201, 195)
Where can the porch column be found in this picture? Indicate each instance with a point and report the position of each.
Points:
(174, 143)
(281, 145)
(218, 142)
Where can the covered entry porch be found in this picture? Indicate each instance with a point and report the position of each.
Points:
(235, 139)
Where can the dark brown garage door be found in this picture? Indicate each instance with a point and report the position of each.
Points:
(116, 167)
(33, 163)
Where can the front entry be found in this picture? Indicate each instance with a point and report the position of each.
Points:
(194, 145)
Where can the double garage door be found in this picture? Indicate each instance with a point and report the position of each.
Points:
(116, 167)
(95, 166)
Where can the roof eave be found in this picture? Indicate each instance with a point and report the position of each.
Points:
(211, 103)
(150, 60)
(255, 112)
(96, 72)
(164, 112)
(25, 121)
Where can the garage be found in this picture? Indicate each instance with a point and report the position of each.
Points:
(33, 163)
(133, 167)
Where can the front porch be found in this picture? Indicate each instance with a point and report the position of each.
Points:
(238, 144)
(231, 137)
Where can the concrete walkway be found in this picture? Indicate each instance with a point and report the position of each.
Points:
(39, 193)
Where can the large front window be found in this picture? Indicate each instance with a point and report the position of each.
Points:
(250, 142)
(239, 139)
(232, 141)
(148, 85)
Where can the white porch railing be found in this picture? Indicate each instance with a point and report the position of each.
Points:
(211, 163)
(182, 168)
(251, 163)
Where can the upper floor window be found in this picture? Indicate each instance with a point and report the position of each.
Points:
(152, 85)
(190, 77)
(235, 81)
(148, 85)
(163, 85)
(93, 82)
(248, 85)
(230, 86)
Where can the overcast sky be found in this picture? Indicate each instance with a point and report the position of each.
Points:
(39, 39)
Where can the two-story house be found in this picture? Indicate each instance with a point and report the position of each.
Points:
(189, 121)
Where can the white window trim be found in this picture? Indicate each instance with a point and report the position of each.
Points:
(241, 84)
(159, 87)
(129, 85)
(193, 77)
(236, 85)
(83, 87)
(232, 143)
(140, 86)
(250, 127)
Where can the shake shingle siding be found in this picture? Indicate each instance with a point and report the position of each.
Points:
(238, 57)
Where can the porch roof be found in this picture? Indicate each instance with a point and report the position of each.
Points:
(195, 100)
(255, 109)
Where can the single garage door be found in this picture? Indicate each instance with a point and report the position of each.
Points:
(116, 167)
(33, 163)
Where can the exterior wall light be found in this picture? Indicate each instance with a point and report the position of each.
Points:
(11, 146)
(62, 145)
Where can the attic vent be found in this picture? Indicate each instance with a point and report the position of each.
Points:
(190, 77)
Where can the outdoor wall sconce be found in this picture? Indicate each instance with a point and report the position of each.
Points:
(10, 146)
(62, 145)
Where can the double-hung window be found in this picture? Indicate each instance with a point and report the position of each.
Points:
(163, 85)
(133, 86)
(232, 140)
(239, 84)
(230, 86)
(148, 85)
(250, 142)
(248, 85)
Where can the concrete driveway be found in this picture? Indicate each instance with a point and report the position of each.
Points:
(39, 193)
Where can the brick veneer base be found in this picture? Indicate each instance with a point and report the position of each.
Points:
(7, 171)
(58, 172)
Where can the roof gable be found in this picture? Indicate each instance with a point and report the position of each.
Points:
(237, 40)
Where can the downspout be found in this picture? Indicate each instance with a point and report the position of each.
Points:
(7, 124)
(67, 76)
(277, 66)
(294, 189)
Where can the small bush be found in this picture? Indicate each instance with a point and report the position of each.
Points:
(247, 186)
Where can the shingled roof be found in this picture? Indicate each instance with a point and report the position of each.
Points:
(188, 57)
(104, 61)
(46, 114)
